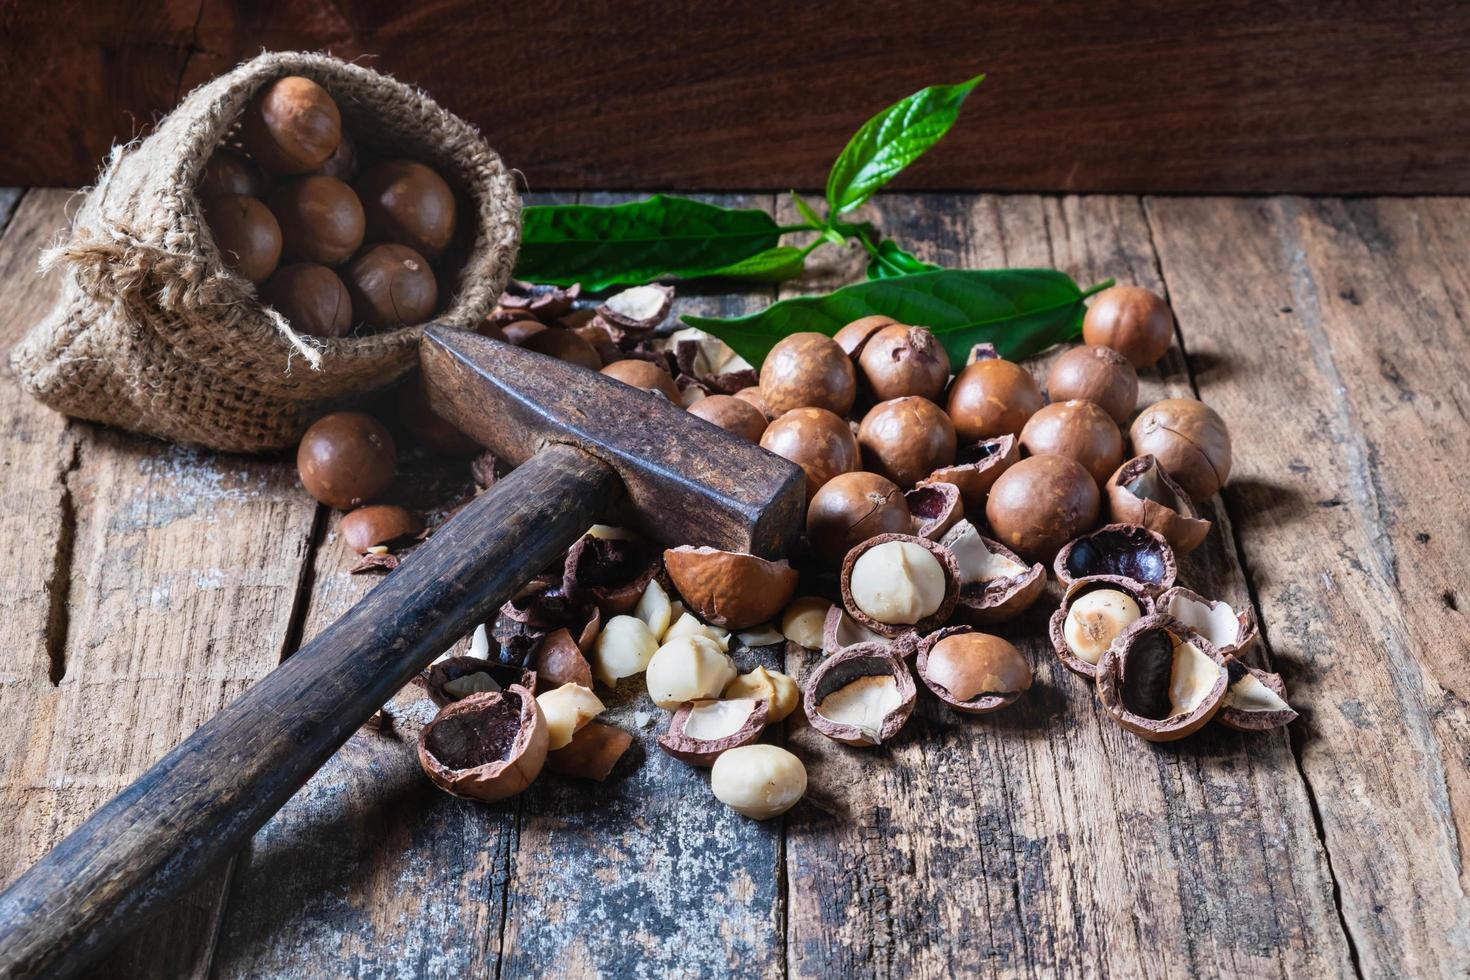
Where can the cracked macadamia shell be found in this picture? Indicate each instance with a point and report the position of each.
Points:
(898, 582)
(701, 730)
(487, 746)
(934, 509)
(1143, 492)
(1094, 612)
(976, 468)
(995, 584)
(808, 370)
(817, 440)
(1189, 439)
(728, 589)
(609, 572)
(1040, 504)
(992, 397)
(1078, 430)
(456, 678)
(1161, 680)
(593, 752)
(840, 631)
(758, 781)
(849, 509)
(906, 439)
(974, 673)
(1231, 629)
(1095, 374)
(1133, 321)
(898, 361)
(1125, 550)
(1255, 700)
(862, 696)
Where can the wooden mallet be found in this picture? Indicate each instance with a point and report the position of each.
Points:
(581, 443)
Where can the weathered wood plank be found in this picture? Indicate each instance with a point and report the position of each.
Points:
(1046, 840)
(1334, 337)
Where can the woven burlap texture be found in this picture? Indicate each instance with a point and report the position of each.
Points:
(152, 333)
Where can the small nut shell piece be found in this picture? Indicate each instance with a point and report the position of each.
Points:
(973, 673)
(376, 524)
(559, 660)
(1231, 631)
(819, 441)
(1142, 492)
(862, 696)
(1255, 700)
(995, 584)
(1057, 627)
(851, 508)
(608, 572)
(1161, 680)
(934, 509)
(486, 747)
(1129, 551)
(728, 589)
(1040, 504)
(858, 588)
(977, 467)
(592, 753)
(455, 678)
(758, 781)
(701, 730)
(808, 370)
(776, 689)
(1189, 439)
(841, 632)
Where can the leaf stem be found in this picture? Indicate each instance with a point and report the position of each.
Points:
(1105, 284)
(788, 229)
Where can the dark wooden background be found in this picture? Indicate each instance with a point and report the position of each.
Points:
(1331, 96)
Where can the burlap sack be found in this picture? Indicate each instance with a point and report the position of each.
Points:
(152, 333)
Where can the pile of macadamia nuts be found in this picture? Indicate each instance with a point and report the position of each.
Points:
(335, 244)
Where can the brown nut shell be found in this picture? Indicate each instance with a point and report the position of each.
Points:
(646, 375)
(841, 632)
(852, 667)
(849, 509)
(564, 345)
(342, 164)
(899, 361)
(817, 440)
(519, 331)
(228, 172)
(346, 459)
(1056, 626)
(392, 286)
(1249, 719)
(291, 126)
(408, 203)
(321, 220)
(808, 370)
(854, 336)
(992, 397)
(1095, 374)
(246, 233)
(592, 753)
(435, 676)
(375, 524)
(1078, 430)
(559, 660)
(974, 673)
(1133, 321)
(1129, 551)
(929, 623)
(935, 508)
(976, 468)
(728, 589)
(753, 396)
(906, 439)
(1189, 439)
(986, 598)
(1177, 602)
(486, 747)
(1142, 492)
(734, 415)
(703, 752)
(1134, 671)
(610, 573)
(1041, 503)
(312, 297)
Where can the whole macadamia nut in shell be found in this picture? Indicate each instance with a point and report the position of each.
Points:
(1078, 430)
(246, 233)
(992, 397)
(321, 219)
(851, 508)
(346, 459)
(312, 297)
(408, 203)
(1040, 504)
(1133, 321)
(735, 415)
(392, 286)
(564, 345)
(227, 172)
(375, 524)
(292, 126)
(1096, 374)
(1189, 440)
(854, 336)
(644, 374)
(818, 441)
(906, 439)
(900, 360)
(808, 370)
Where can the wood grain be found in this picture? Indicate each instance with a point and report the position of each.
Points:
(1044, 839)
(1333, 335)
(1164, 97)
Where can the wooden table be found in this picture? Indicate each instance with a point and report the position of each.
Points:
(148, 585)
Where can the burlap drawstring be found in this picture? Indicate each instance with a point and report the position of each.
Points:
(153, 333)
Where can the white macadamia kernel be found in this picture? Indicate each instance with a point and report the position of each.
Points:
(466, 684)
(654, 608)
(1249, 694)
(758, 781)
(567, 709)
(863, 703)
(804, 619)
(897, 582)
(1191, 678)
(1095, 620)
(688, 668)
(1219, 625)
(712, 720)
(771, 686)
(622, 649)
(689, 625)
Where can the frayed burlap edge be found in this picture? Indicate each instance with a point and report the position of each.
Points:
(154, 334)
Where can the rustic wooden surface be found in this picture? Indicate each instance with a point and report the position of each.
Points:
(1316, 96)
(150, 585)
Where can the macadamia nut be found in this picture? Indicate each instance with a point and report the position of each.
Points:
(771, 686)
(654, 608)
(567, 709)
(898, 582)
(688, 668)
(1096, 619)
(758, 781)
(688, 625)
(804, 620)
(623, 648)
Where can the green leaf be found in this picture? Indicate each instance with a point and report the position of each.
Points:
(631, 244)
(892, 140)
(808, 212)
(893, 261)
(1021, 311)
(772, 265)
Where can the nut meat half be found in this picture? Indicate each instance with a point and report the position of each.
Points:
(1161, 680)
(1082, 631)
(862, 696)
(486, 747)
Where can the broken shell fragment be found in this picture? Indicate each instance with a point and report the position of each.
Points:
(729, 589)
(701, 730)
(934, 507)
(1161, 680)
(611, 573)
(456, 678)
(862, 696)
(1095, 611)
(804, 621)
(1255, 700)
(896, 582)
(592, 752)
(487, 746)
(841, 631)
(1142, 492)
(1230, 631)
(1127, 550)
(976, 468)
(995, 584)
(973, 673)
(559, 660)
(636, 311)
(771, 686)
